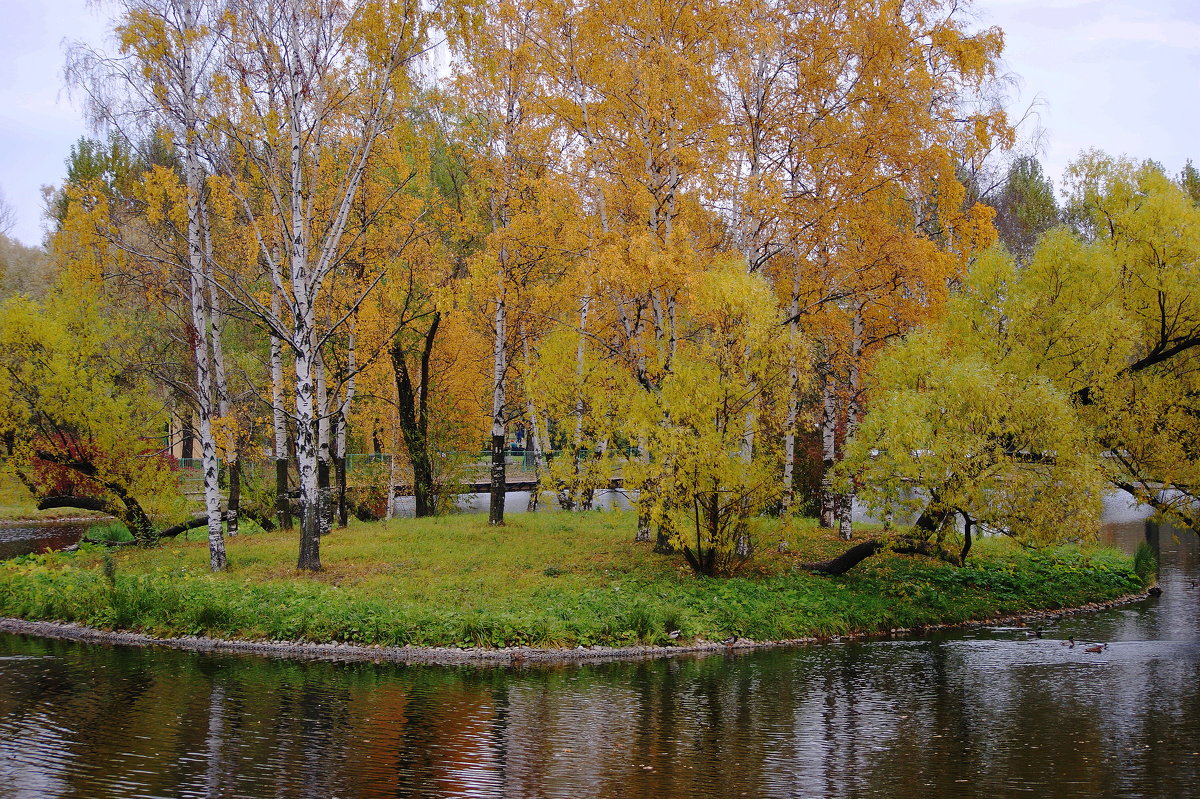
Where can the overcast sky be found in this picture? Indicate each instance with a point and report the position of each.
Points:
(1119, 75)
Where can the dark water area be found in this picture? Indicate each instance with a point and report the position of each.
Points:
(979, 713)
(24, 538)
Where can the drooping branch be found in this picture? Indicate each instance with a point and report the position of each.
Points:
(81, 503)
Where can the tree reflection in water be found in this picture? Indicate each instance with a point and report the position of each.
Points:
(980, 713)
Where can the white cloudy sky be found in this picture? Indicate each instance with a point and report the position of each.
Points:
(1119, 75)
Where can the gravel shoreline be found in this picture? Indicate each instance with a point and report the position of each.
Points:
(514, 656)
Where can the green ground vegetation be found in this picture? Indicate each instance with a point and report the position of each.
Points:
(546, 580)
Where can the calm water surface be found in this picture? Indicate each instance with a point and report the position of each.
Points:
(989, 713)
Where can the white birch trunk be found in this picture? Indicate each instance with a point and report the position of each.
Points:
(789, 426)
(535, 424)
(846, 506)
(279, 423)
(342, 429)
(221, 383)
(324, 492)
(828, 450)
(499, 402)
(200, 351)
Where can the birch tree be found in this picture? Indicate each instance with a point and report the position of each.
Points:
(309, 90)
(157, 81)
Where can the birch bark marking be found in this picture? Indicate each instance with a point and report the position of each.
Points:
(500, 365)
(233, 470)
(578, 489)
(324, 492)
(283, 508)
(303, 310)
(342, 433)
(828, 512)
(535, 435)
(789, 426)
(200, 327)
(846, 503)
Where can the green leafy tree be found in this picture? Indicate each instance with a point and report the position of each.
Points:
(1025, 206)
(732, 356)
(87, 427)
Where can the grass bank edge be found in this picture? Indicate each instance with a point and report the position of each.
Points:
(561, 581)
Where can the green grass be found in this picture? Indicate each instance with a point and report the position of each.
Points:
(554, 579)
(109, 531)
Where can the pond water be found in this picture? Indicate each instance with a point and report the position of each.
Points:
(981, 713)
(22, 538)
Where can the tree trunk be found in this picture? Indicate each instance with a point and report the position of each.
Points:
(846, 501)
(235, 495)
(324, 486)
(220, 383)
(828, 510)
(188, 434)
(309, 558)
(283, 507)
(200, 352)
(788, 497)
(968, 523)
(535, 436)
(412, 403)
(498, 480)
(341, 434)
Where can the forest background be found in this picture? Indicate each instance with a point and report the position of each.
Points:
(742, 254)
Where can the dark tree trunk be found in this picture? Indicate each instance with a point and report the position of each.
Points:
(310, 540)
(324, 497)
(643, 525)
(968, 523)
(189, 438)
(496, 505)
(343, 512)
(413, 407)
(283, 506)
(190, 524)
(235, 494)
(10, 442)
(932, 519)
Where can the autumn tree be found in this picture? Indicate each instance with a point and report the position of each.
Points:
(88, 424)
(156, 81)
(307, 90)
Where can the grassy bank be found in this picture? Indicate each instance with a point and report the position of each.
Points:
(545, 580)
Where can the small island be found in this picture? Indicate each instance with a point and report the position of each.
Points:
(548, 581)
